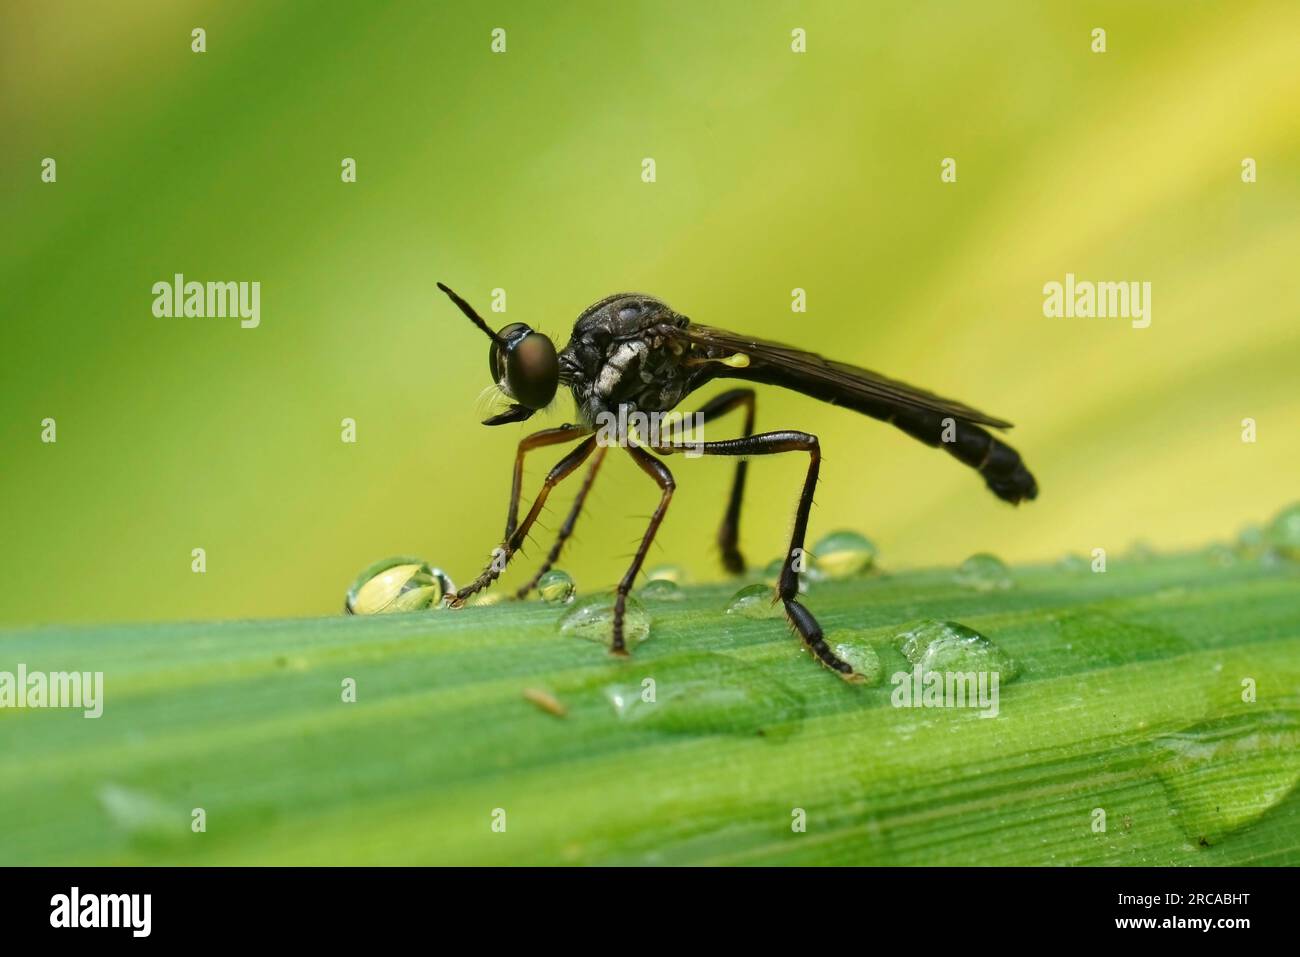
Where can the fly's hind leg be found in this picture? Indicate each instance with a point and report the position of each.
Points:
(729, 531)
(787, 588)
(664, 478)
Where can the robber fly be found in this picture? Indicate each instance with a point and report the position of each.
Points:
(633, 351)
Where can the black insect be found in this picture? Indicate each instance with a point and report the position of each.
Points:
(633, 351)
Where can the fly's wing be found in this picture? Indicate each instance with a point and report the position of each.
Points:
(942, 423)
(836, 382)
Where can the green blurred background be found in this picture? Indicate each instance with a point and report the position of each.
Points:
(522, 171)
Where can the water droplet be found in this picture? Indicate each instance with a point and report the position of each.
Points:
(662, 589)
(843, 554)
(709, 694)
(669, 573)
(755, 601)
(1096, 639)
(1284, 533)
(395, 585)
(855, 651)
(482, 599)
(1252, 544)
(984, 572)
(1251, 536)
(1224, 774)
(593, 620)
(1073, 563)
(949, 646)
(556, 587)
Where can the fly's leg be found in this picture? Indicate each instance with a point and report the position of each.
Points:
(664, 478)
(516, 536)
(567, 528)
(729, 531)
(538, 440)
(556, 436)
(787, 588)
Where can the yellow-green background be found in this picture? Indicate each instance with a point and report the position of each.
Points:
(522, 171)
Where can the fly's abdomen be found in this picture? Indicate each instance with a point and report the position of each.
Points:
(1000, 465)
(1003, 470)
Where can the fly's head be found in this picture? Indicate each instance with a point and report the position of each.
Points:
(524, 365)
(522, 362)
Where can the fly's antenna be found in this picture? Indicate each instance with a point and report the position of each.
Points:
(474, 317)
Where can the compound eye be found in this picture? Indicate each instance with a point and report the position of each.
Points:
(533, 371)
(496, 364)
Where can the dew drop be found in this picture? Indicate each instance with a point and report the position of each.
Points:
(755, 601)
(1284, 532)
(671, 573)
(662, 589)
(592, 619)
(1096, 639)
(1252, 544)
(556, 587)
(1224, 774)
(948, 646)
(856, 651)
(1251, 536)
(395, 585)
(843, 554)
(983, 572)
(709, 694)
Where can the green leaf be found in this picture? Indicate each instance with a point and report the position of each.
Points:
(1129, 698)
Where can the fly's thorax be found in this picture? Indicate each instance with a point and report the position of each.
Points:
(615, 358)
(624, 314)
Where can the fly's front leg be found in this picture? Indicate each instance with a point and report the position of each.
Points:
(664, 478)
(515, 538)
(787, 589)
(556, 436)
(567, 528)
(729, 531)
